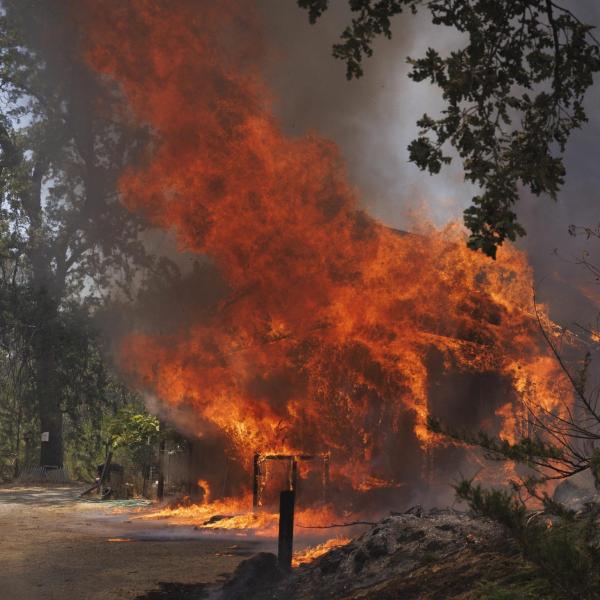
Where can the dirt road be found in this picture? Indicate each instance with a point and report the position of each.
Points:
(54, 546)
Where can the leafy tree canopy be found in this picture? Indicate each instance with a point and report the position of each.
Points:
(131, 428)
(67, 245)
(513, 95)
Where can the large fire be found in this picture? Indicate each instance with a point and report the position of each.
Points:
(336, 331)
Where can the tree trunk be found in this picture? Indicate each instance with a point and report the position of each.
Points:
(17, 468)
(49, 409)
(51, 422)
(47, 381)
(160, 490)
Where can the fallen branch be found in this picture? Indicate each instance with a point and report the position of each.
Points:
(337, 525)
(91, 489)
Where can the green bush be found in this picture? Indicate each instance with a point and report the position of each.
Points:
(565, 550)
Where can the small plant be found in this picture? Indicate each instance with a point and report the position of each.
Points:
(135, 432)
(564, 550)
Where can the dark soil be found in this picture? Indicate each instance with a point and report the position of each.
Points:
(176, 591)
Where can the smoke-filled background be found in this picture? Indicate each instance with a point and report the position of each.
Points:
(373, 119)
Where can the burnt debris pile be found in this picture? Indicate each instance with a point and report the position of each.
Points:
(408, 552)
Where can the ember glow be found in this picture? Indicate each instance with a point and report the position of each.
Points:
(336, 329)
(309, 554)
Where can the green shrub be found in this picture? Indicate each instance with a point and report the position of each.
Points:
(564, 550)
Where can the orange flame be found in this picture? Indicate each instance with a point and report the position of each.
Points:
(202, 483)
(309, 554)
(233, 514)
(332, 321)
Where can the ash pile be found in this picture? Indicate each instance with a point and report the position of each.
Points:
(440, 553)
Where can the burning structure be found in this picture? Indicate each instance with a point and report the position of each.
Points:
(335, 334)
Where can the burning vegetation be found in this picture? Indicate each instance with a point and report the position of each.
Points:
(337, 334)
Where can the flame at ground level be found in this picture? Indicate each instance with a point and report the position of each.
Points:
(309, 554)
(231, 516)
(235, 514)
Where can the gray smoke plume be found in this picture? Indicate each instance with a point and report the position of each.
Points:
(373, 120)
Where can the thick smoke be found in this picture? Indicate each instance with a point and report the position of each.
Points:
(571, 291)
(373, 119)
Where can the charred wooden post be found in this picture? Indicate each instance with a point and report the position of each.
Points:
(292, 461)
(429, 465)
(190, 449)
(294, 481)
(105, 472)
(256, 481)
(286, 529)
(160, 490)
(326, 458)
(194, 455)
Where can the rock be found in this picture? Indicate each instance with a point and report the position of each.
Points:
(575, 496)
(253, 578)
(410, 535)
(434, 545)
(377, 547)
(330, 563)
(447, 527)
(215, 519)
(360, 558)
(416, 510)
